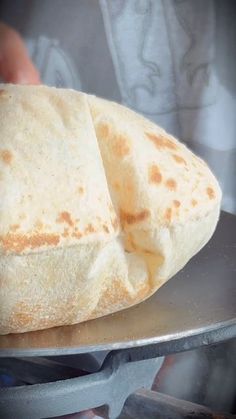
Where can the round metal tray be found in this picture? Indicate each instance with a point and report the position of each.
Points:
(196, 307)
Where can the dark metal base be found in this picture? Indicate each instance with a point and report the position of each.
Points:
(61, 385)
(118, 377)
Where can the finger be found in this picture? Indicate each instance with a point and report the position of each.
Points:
(15, 63)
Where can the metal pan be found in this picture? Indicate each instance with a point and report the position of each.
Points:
(197, 306)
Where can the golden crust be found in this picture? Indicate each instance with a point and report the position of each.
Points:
(51, 171)
(99, 207)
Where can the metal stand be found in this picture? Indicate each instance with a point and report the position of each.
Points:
(119, 377)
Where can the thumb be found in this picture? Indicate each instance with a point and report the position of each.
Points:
(15, 63)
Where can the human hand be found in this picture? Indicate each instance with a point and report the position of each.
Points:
(15, 64)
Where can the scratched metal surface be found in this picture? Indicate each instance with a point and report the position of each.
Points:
(199, 301)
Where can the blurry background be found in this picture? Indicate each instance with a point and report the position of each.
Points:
(175, 62)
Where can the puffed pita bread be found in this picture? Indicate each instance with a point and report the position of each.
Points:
(99, 207)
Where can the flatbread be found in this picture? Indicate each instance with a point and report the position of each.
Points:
(99, 207)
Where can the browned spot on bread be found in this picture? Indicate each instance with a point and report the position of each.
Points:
(20, 242)
(80, 190)
(154, 174)
(168, 214)
(121, 146)
(129, 218)
(6, 156)
(89, 229)
(22, 319)
(210, 193)
(176, 203)
(102, 130)
(179, 159)
(65, 217)
(171, 184)
(24, 314)
(161, 142)
(194, 202)
(105, 228)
